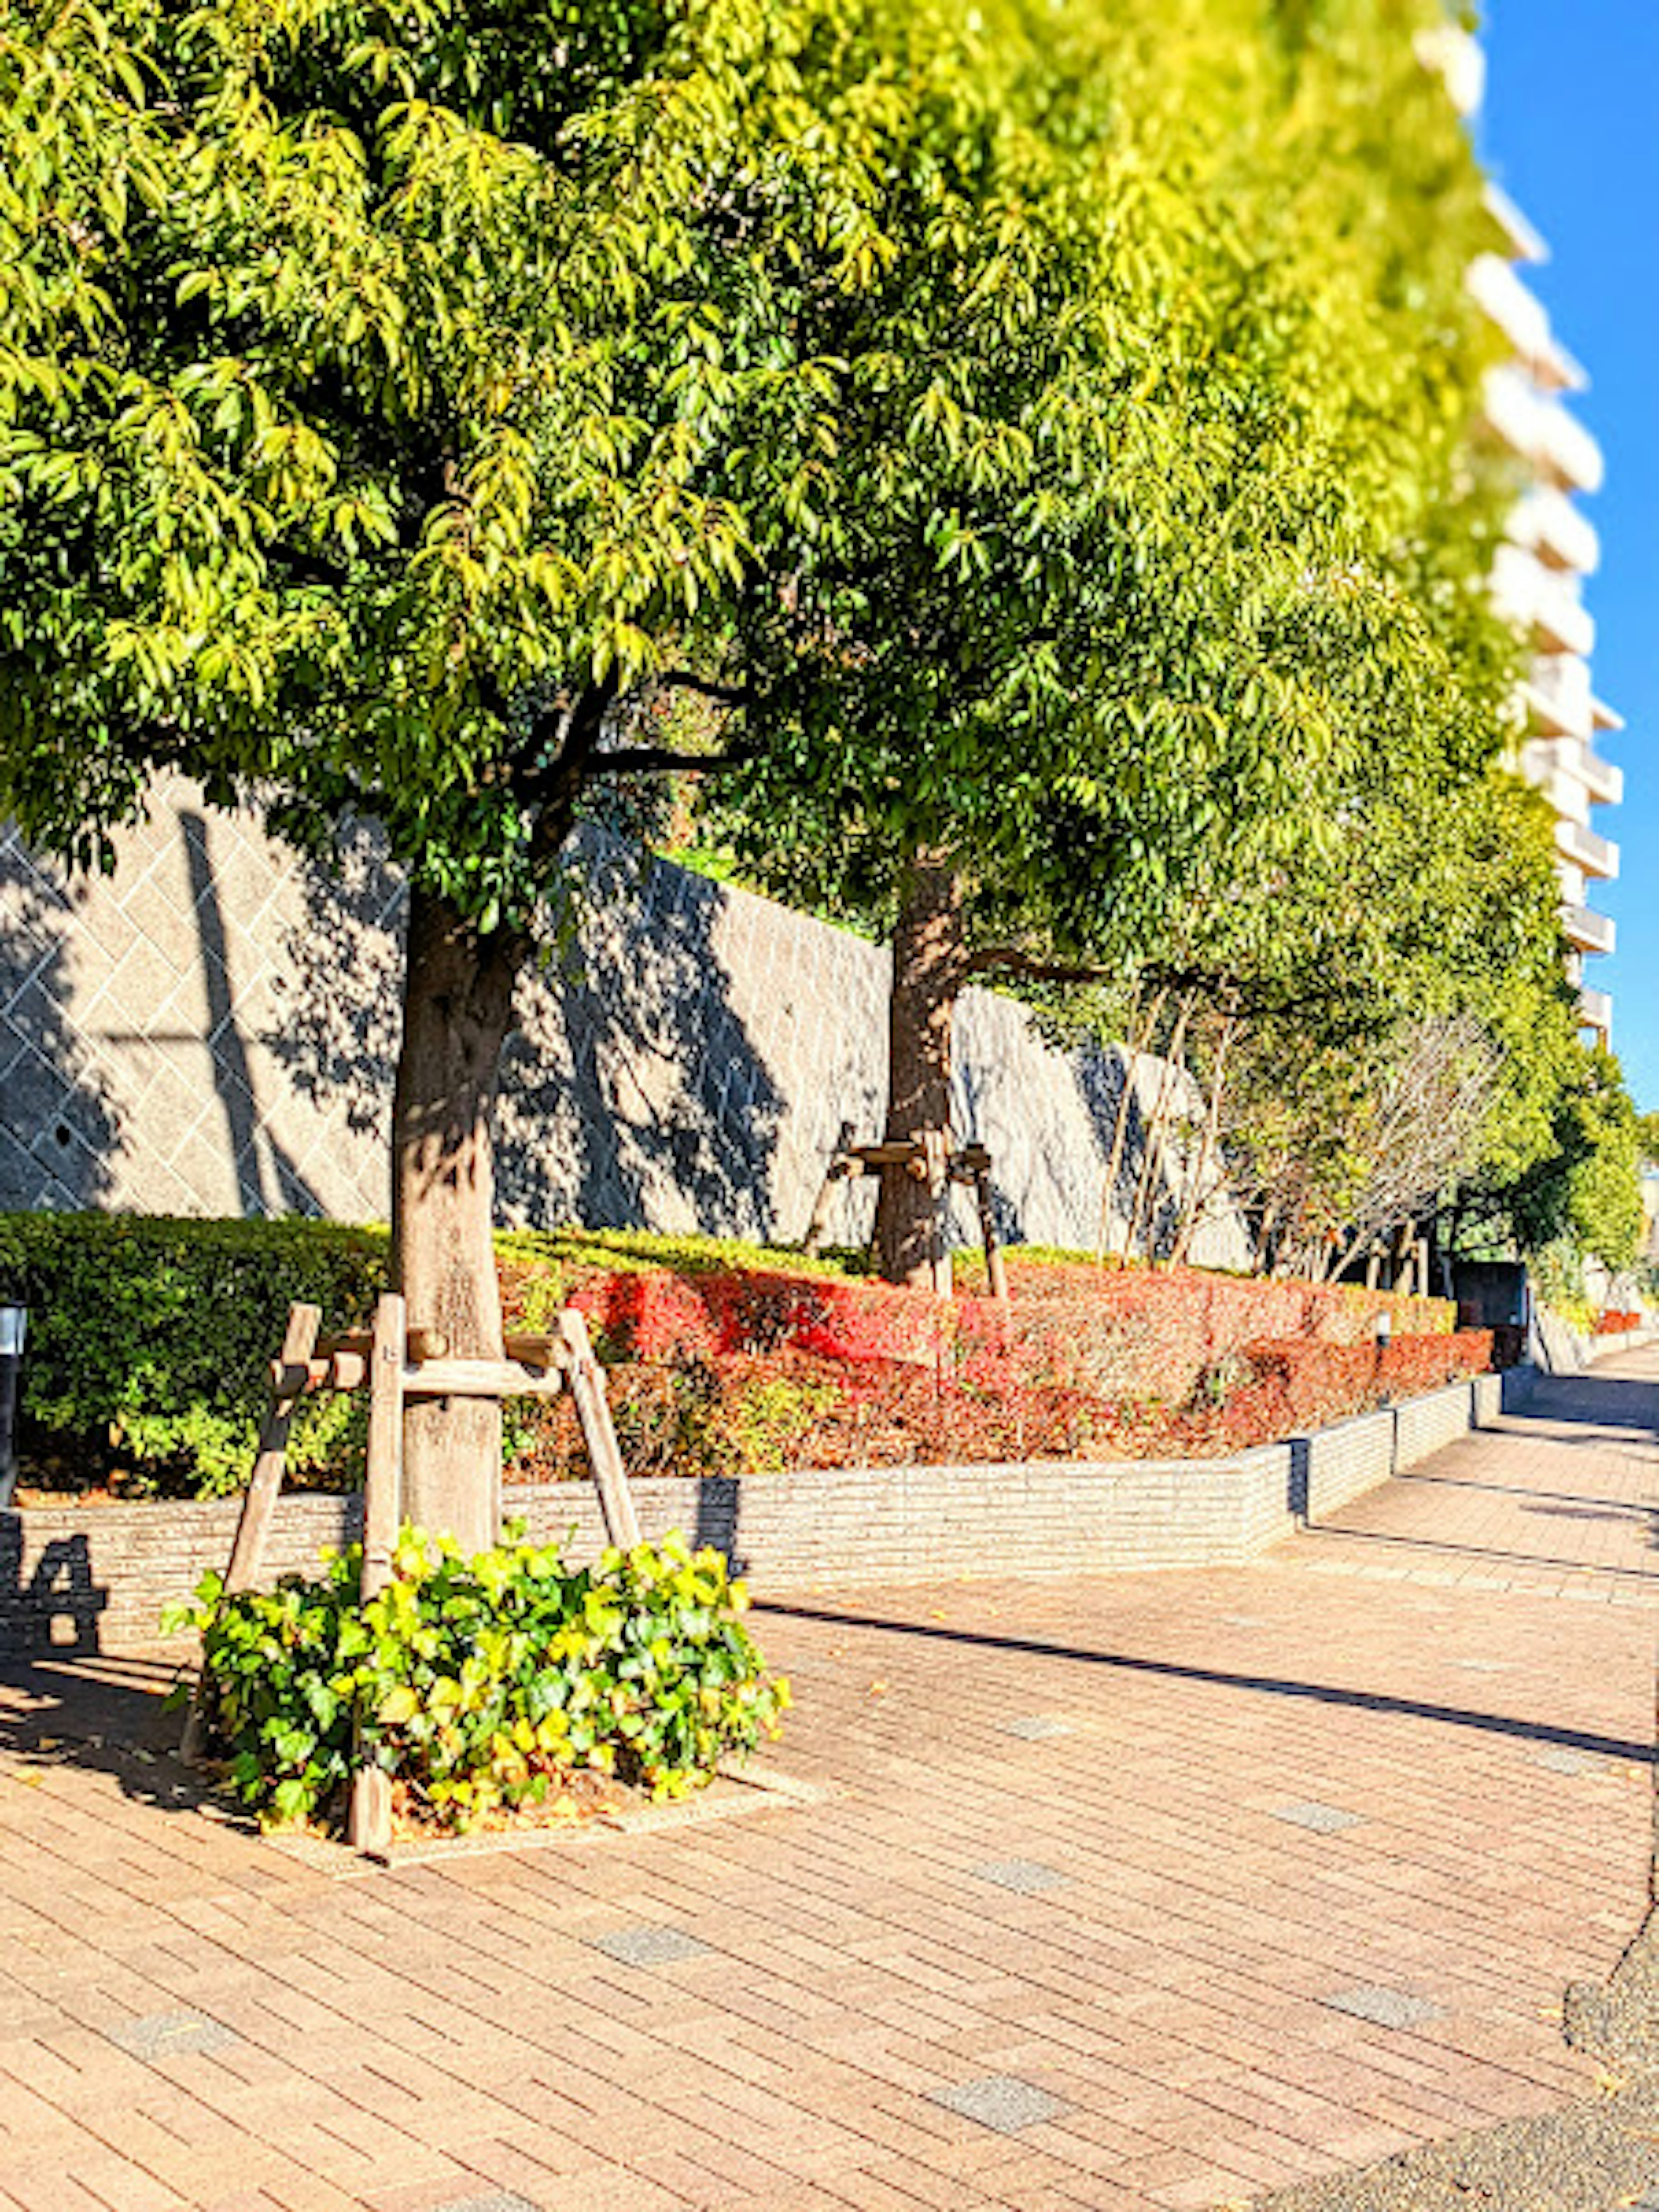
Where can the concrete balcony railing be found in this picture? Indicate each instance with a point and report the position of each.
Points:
(1541, 431)
(1584, 777)
(1604, 782)
(1524, 321)
(1595, 1012)
(1541, 601)
(1588, 931)
(1596, 855)
(1557, 697)
(1548, 524)
(1520, 235)
(1454, 56)
(1569, 800)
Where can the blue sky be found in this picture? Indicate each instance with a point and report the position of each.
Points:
(1571, 131)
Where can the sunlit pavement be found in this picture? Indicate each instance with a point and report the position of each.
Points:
(1121, 1892)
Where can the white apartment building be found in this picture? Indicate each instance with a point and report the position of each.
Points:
(1537, 580)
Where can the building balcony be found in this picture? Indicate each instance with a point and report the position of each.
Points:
(1524, 321)
(1542, 602)
(1454, 56)
(1522, 239)
(1596, 855)
(1550, 526)
(1605, 717)
(1574, 778)
(1561, 450)
(1604, 782)
(1557, 697)
(1569, 800)
(1595, 1012)
(1588, 931)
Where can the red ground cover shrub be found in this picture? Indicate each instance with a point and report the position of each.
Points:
(738, 1371)
(1614, 1323)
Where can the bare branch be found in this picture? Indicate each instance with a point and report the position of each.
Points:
(1009, 960)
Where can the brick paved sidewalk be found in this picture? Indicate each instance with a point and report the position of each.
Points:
(1136, 1892)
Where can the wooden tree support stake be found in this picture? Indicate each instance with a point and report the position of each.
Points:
(399, 1363)
(264, 1487)
(369, 1822)
(586, 1381)
(927, 1155)
(842, 1165)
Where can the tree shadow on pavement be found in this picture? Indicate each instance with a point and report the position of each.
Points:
(104, 1714)
(1271, 1686)
(1621, 1404)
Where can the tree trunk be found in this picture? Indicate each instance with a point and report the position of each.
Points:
(458, 1011)
(930, 967)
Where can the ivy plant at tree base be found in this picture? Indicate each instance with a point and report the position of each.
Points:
(481, 1685)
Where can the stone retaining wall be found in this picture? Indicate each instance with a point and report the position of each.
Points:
(210, 1030)
(97, 1576)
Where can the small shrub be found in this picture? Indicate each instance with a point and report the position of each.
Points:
(479, 1683)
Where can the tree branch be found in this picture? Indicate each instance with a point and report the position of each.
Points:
(726, 695)
(1009, 960)
(658, 760)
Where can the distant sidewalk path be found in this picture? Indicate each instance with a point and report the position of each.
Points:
(1132, 1892)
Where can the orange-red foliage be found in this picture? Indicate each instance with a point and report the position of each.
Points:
(744, 1369)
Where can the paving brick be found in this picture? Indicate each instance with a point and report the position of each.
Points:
(398, 2043)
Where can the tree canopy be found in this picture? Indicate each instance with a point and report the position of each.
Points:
(1020, 446)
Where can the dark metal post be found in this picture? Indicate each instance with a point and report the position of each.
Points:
(14, 1324)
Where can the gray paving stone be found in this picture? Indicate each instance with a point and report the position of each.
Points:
(1559, 1760)
(1027, 1877)
(1035, 1726)
(1000, 2101)
(493, 2200)
(170, 2035)
(1323, 1820)
(1383, 2007)
(650, 1945)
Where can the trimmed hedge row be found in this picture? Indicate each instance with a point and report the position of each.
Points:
(149, 1335)
(149, 1338)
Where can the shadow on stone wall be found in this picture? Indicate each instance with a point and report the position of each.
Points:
(631, 1094)
(59, 1590)
(59, 1128)
(267, 1180)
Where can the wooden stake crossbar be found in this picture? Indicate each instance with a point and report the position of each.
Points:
(927, 1157)
(396, 1364)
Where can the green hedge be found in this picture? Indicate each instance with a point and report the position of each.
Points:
(148, 1339)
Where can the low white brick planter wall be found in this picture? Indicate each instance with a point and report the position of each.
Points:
(97, 1576)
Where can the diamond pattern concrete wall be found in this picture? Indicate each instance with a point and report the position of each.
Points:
(211, 1030)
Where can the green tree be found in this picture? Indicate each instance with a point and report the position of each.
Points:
(1587, 1191)
(390, 405)
(1136, 605)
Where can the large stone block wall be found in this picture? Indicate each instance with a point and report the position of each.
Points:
(211, 1030)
